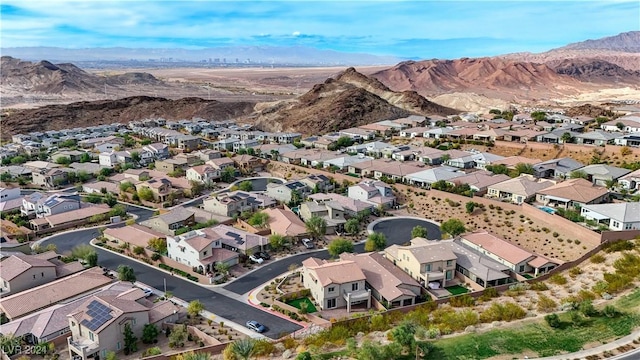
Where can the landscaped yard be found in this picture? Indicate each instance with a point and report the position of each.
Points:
(527, 276)
(297, 303)
(457, 290)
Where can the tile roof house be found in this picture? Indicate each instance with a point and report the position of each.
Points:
(511, 161)
(516, 258)
(332, 213)
(21, 272)
(556, 168)
(201, 249)
(234, 203)
(572, 193)
(479, 181)
(601, 174)
(352, 207)
(518, 190)
(335, 284)
(69, 287)
(620, 216)
(136, 235)
(284, 192)
(373, 192)
(204, 174)
(171, 221)
(285, 222)
(427, 177)
(50, 178)
(97, 326)
(69, 218)
(631, 181)
(389, 285)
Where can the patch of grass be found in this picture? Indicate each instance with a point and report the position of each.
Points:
(630, 302)
(296, 303)
(457, 290)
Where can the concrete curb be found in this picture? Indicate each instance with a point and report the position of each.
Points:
(583, 354)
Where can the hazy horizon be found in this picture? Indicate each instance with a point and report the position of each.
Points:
(403, 29)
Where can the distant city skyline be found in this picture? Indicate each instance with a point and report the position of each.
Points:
(408, 29)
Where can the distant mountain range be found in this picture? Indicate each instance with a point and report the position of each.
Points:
(220, 56)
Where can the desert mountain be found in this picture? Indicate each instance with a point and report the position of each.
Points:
(45, 77)
(481, 75)
(596, 71)
(350, 99)
(622, 50)
(89, 113)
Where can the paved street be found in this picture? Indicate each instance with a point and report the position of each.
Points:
(398, 230)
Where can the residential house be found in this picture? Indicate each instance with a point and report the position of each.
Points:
(248, 164)
(572, 193)
(53, 292)
(373, 192)
(171, 165)
(69, 218)
(73, 155)
(203, 174)
(160, 151)
(427, 262)
(7, 194)
(201, 249)
(98, 325)
(186, 143)
(352, 207)
(632, 139)
(236, 202)
(50, 178)
(556, 168)
(160, 187)
(10, 200)
(596, 137)
(240, 241)
(425, 178)
(631, 181)
(603, 175)
(318, 183)
(358, 134)
(619, 216)
(57, 204)
(512, 161)
(518, 259)
(335, 284)
(221, 163)
(207, 154)
(109, 159)
(286, 192)
(342, 163)
(628, 123)
(332, 213)
(21, 272)
(171, 221)
(225, 144)
(460, 159)
(285, 222)
(479, 181)
(134, 235)
(518, 190)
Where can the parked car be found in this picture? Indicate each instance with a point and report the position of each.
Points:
(307, 243)
(256, 259)
(147, 292)
(255, 326)
(264, 255)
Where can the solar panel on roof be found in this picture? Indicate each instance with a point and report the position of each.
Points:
(236, 237)
(99, 314)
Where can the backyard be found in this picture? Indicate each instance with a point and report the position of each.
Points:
(457, 290)
(298, 303)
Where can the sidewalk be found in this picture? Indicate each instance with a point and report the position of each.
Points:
(600, 350)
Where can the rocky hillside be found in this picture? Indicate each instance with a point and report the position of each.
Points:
(350, 99)
(622, 50)
(89, 113)
(45, 77)
(432, 77)
(595, 70)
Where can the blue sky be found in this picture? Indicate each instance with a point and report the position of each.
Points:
(411, 29)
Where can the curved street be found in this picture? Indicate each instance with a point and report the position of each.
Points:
(214, 298)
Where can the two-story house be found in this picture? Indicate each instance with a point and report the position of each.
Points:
(97, 327)
(427, 264)
(335, 284)
(331, 211)
(284, 192)
(236, 202)
(200, 249)
(50, 178)
(21, 272)
(318, 183)
(40, 205)
(175, 219)
(203, 174)
(160, 187)
(160, 151)
(374, 192)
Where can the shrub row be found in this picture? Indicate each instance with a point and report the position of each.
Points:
(109, 247)
(289, 313)
(178, 271)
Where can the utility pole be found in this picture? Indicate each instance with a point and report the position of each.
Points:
(165, 286)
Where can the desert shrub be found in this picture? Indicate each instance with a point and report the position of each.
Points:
(449, 320)
(558, 279)
(574, 272)
(600, 287)
(616, 246)
(539, 286)
(628, 264)
(379, 323)
(465, 300)
(488, 294)
(503, 312)
(597, 259)
(586, 308)
(553, 320)
(546, 304)
(585, 295)
(617, 282)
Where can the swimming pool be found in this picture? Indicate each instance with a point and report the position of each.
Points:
(547, 209)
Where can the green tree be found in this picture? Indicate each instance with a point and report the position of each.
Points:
(305, 355)
(178, 336)
(126, 273)
(277, 241)
(453, 227)
(578, 174)
(222, 267)
(352, 226)
(339, 246)
(85, 157)
(145, 194)
(620, 125)
(194, 308)
(130, 340)
(403, 335)
(83, 251)
(110, 200)
(296, 199)
(125, 186)
(523, 168)
(92, 259)
(158, 244)
(135, 157)
(244, 348)
(9, 343)
(498, 169)
(83, 176)
(63, 160)
(150, 333)
(566, 137)
(259, 219)
(246, 186)
(419, 231)
(6, 177)
(539, 115)
(228, 174)
(138, 250)
(375, 242)
(316, 226)
(470, 206)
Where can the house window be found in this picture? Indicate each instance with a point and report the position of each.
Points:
(354, 286)
(427, 267)
(133, 321)
(204, 253)
(616, 224)
(331, 288)
(521, 268)
(449, 262)
(34, 276)
(90, 336)
(119, 346)
(331, 303)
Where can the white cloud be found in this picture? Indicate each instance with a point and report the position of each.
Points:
(296, 33)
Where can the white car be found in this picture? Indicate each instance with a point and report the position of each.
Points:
(256, 259)
(307, 243)
(147, 292)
